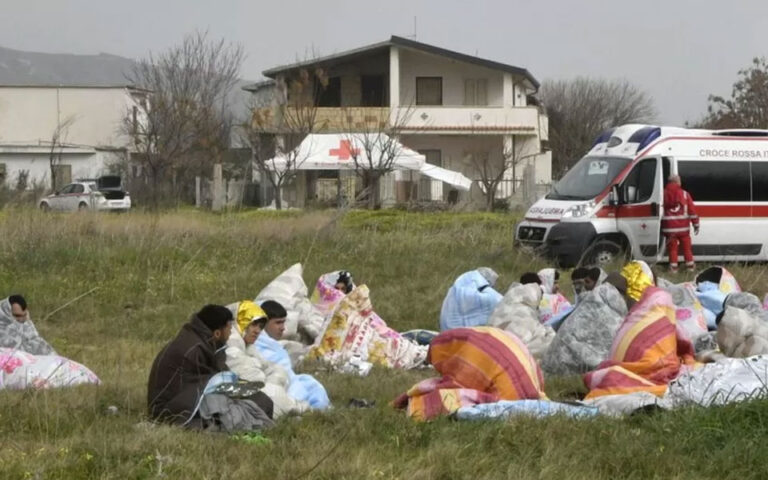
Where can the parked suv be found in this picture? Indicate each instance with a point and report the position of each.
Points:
(103, 193)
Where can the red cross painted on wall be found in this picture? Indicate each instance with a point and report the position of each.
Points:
(345, 150)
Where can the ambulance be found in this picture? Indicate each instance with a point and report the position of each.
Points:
(610, 203)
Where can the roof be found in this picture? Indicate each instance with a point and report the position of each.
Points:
(256, 86)
(396, 41)
(44, 85)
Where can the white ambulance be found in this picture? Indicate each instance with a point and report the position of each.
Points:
(610, 203)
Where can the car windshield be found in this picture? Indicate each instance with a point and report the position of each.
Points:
(588, 178)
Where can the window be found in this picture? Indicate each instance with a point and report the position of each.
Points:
(429, 90)
(639, 184)
(476, 91)
(78, 188)
(66, 190)
(716, 181)
(759, 181)
(135, 119)
(372, 90)
(330, 94)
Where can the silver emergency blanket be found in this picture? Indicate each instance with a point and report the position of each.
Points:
(21, 335)
(518, 313)
(584, 340)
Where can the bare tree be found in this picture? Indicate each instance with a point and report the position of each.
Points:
(493, 171)
(58, 139)
(373, 144)
(185, 111)
(581, 108)
(748, 105)
(279, 124)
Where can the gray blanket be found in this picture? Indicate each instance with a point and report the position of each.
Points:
(586, 335)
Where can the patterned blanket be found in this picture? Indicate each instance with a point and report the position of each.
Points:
(355, 330)
(647, 353)
(478, 365)
(20, 370)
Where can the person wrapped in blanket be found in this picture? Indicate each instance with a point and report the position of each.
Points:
(478, 365)
(648, 351)
(470, 300)
(189, 384)
(303, 388)
(26, 359)
(244, 359)
(354, 337)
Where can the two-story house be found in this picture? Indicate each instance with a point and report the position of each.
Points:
(83, 127)
(462, 112)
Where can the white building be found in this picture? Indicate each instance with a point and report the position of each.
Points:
(90, 121)
(456, 109)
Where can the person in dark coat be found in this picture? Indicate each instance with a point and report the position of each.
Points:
(183, 368)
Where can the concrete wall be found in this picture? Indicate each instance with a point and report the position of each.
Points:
(84, 165)
(418, 64)
(31, 114)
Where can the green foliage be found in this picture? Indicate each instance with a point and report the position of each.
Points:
(153, 271)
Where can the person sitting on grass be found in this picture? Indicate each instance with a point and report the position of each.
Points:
(16, 329)
(244, 359)
(302, 387)
(585, 279)
(183, 368)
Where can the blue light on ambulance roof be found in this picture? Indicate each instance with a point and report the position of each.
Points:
(645, 136)
(604, 137)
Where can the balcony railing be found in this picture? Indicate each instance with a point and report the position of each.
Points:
(489, 120)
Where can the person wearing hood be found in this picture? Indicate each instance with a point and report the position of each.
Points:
(17, 330)
(183, 368)
(244, 359)
(679, 215)
(470, 300)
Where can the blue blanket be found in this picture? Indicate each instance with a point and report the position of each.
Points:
(469, 302)
(712, 299)
(533, 408)
(302, 386)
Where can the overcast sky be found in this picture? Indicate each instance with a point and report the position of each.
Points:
(678, 50)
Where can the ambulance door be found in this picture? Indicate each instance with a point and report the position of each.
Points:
(640, 207)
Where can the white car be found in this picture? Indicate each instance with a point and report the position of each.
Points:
(103, 193)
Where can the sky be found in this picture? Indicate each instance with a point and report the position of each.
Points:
(679, 51)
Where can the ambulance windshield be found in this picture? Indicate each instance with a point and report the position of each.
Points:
(589, 177)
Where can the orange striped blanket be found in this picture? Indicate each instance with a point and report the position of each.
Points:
(478, 365)
(647, 353)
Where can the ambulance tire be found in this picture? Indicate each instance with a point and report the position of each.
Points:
(604, 252)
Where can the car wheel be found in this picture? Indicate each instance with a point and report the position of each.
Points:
(82, 207)
(45, 207)
(604, 254)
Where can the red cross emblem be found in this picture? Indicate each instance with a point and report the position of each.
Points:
(345, 150)
(643, 226)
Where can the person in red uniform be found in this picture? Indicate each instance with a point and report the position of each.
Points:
(679, 214)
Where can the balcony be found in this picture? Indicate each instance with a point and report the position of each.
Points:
(418, 119)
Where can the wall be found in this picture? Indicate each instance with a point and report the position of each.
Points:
(30, 115)
(84, 165)
(418, 64)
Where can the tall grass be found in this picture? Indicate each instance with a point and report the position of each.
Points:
(153, 271)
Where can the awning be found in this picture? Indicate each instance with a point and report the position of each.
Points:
(339, 152)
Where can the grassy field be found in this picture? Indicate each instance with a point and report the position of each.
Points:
(152, 271)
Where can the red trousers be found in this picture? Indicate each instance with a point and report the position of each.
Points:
(673, 242)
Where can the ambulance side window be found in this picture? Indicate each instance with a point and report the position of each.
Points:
(639, 185)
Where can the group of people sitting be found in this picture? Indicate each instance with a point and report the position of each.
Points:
(232, 368)
(625, 332)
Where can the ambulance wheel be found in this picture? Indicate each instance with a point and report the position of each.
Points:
(604, 253)
(82, 207)
(44, 207)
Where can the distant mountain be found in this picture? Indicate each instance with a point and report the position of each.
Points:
(32, 68)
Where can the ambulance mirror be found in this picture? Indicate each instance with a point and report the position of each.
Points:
(613, 197)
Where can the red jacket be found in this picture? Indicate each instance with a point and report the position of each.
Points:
(679, 210)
